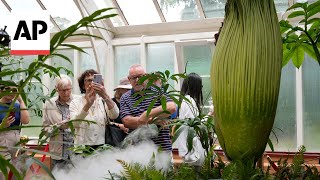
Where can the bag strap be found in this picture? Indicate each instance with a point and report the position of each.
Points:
(104, 108)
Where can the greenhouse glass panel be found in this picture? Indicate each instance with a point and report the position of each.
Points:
(311, 104)
(177, 10)
(160, 57)
(125, 56)
(139, 12)
(284, 128)
(216, 8)
(87, 61)
(25, 5)
(116, 21)
(213, 8)
(26, 61)
(198, 59)
(64, 66)
(64, 12)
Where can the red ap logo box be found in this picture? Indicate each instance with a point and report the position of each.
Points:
(30, 33)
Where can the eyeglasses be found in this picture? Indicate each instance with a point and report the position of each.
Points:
(8, 89)
(88, 80)
(134, 78)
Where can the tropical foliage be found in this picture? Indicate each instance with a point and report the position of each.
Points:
(302, 37)
(35, 71)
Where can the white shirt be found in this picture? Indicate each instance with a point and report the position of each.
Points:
(89, 133)
(186, 110)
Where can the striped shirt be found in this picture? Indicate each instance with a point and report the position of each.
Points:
(127, 108)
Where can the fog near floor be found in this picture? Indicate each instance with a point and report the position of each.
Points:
(98, 165)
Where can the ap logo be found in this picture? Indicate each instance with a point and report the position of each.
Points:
(30, 34)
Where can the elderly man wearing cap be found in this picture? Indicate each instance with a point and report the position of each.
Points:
(123, 87)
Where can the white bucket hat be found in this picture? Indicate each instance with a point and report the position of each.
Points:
(124, 83)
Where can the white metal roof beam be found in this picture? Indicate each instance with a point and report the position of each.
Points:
(120, 13)
(90, 7)
(156, 4)
(200, 9)
(51, 18)
(192, 26)
(291, 2)
(82, 12)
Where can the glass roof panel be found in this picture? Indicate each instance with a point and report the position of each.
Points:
(177, 10)
(3, 10)
(213, 8)
(64, 12)
(53, 28)
(18, 5)
(4, 15)
(139, 11)
(116, 21)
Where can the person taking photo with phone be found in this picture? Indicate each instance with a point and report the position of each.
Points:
(18, 115)
(97, 106)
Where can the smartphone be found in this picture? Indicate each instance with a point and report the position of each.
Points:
(12, 114)
(97, 78)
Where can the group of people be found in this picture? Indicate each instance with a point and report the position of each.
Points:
(96, 106)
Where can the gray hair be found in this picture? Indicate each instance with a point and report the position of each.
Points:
(135, 66)
(62, 81)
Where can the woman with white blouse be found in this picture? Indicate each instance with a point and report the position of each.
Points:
(96, 105)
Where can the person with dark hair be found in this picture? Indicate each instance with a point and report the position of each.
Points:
(192, 90)
(19, 115)
(192, 86)
(96, 105)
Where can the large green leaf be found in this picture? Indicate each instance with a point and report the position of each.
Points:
(313, 11)
(313, 5)
(287, 55)
(62, 56)
(292, 38)
(310, 21)
(5, 165)
(304, 38)
(270, 145)
(43, 166)
(298, 56)
(151, 106)
(191, 134)
(74, 47)
(53, 69)
(297, 5)
(177, 131)
(309, 50)
(296, 14)
(164, 103)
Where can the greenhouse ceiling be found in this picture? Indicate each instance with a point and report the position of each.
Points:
(135, 17)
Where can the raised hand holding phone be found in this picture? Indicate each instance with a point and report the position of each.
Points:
(97, 78)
